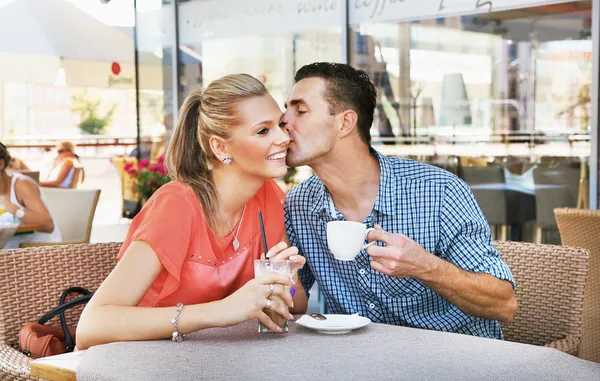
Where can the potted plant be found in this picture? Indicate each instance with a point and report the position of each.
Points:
(147, 177)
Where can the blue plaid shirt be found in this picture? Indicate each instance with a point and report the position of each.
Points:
(429, 205)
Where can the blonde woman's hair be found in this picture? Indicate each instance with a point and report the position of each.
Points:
(67, 145)
(203, 115)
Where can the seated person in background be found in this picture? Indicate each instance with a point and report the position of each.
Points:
(24, 203)
(187, 262)
(63, 170)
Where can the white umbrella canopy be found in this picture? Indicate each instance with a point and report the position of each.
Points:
(39, 37)
(60, 29)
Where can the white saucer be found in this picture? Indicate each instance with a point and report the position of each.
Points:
(335, 324)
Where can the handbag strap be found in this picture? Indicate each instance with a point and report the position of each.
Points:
(64, 306)
(69, 340)
(71, 290)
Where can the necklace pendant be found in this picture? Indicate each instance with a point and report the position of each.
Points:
(236, 244)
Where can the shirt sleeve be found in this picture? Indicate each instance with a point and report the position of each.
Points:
(305, 274)
(465, 237)
(166, 224)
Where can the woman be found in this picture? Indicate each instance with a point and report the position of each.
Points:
(24, 203)
(189, 253)
(63, 171)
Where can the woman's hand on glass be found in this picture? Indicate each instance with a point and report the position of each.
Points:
(281, 252)
(249, 301)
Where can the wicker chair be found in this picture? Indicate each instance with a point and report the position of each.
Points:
(581, 228)
(550, 286)
(31, 281)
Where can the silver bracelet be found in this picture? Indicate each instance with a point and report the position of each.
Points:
(177, 337)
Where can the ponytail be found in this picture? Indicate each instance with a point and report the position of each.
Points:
(185, 159)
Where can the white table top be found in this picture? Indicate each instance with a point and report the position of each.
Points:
(376, 352)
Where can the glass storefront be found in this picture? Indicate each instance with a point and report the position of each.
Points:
(499, 92)
(501, 98)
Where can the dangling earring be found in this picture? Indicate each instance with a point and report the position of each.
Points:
(227, 160)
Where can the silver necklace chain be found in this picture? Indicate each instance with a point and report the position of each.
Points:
(236, 242)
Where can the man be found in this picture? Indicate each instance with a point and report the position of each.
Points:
(434, 265)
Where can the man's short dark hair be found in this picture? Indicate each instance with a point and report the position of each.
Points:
(345, 88)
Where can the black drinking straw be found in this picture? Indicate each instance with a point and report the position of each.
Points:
(264, 236)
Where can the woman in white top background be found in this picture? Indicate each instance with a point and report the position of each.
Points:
(63, 170)
(24, 203)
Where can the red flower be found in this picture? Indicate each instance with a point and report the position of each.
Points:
(143, 163)
(148, 177)
(161, 159)
(156, 168)
(131, 171)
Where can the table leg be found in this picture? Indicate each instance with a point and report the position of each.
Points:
(538, 235)
(503, 232)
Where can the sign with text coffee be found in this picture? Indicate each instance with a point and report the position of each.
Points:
(361, 11)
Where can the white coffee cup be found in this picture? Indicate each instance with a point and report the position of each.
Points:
(346, 239)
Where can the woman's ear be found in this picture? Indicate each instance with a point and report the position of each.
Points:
(218, 147)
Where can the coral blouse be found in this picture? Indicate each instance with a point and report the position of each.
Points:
(197, 266)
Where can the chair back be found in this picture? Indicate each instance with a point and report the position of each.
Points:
(550, 289)
(581, 228)
(32, 279)
(73, 211)
(77, 177)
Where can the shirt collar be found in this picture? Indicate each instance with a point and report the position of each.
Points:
(386, 196)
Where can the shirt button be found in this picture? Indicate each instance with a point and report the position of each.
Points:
(371, 306)
(362, 271)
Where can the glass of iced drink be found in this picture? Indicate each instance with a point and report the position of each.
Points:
(262, 267)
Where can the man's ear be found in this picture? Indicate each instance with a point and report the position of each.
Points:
(348, 120)
(218, 147)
